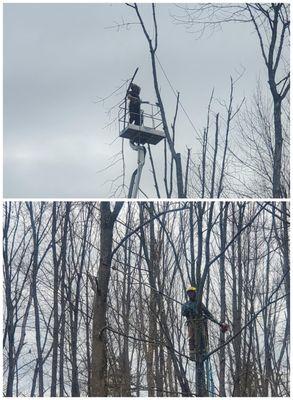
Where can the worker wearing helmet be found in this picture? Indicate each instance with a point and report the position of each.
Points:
(134, 104)
(135, 112)
(189, 311)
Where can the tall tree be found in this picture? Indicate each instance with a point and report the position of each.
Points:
(99, 343)
(272, 26)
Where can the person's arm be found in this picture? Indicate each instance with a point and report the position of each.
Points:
(132, 98)
(185, 310)
(135, 99)
(209, 315)
(224, 327)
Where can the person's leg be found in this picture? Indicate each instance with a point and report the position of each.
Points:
(131, 117)
(137, 120)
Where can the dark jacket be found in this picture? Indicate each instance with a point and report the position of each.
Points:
(189, 311)
(134, 103)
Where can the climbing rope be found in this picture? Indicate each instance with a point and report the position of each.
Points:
(210, 380)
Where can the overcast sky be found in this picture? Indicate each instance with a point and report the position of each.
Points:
(59, 57)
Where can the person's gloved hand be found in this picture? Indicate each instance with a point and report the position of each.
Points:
(224, 327)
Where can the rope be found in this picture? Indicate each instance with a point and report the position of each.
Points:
(210, 380)
(198, 135)
(175, 94)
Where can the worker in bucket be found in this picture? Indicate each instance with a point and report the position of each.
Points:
(135, 112)
(198, 320)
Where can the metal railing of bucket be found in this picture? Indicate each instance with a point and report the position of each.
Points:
(150, 116)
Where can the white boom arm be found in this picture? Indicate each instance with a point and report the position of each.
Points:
(135, 180)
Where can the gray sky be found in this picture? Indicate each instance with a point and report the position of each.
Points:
(59, 57)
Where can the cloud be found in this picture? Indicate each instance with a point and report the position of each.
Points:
(59, 57)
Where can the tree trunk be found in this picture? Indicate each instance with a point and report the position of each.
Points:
(62, 300)
(200, 348)
(39, 365)
(99, 349)
(237, 299)
(277, 188)
(222, 356)
(55, 304)
(125, 363)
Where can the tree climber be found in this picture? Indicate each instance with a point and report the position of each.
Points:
(135, 113)
(197, 325)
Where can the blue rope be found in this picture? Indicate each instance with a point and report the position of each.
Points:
(210, 380)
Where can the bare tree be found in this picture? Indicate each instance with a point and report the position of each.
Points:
(153, 46)
(99, 349)
(120, 326)
(271, 23)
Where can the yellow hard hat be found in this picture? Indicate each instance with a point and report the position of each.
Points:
(191, 289)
